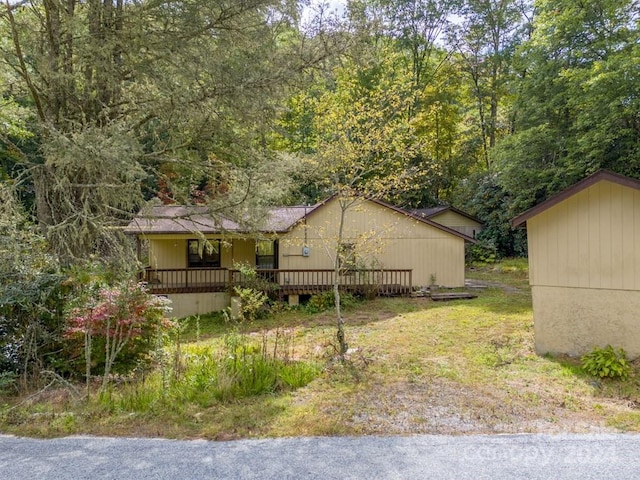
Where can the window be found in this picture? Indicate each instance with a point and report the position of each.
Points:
(203, 254)
(266, 254)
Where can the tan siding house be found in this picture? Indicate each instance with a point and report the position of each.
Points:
(392, 249)
(384, 237)
(584, 266)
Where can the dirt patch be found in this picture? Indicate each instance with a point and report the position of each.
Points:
(441, 406)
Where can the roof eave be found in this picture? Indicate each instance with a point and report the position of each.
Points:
(583, 184)
(424, 220)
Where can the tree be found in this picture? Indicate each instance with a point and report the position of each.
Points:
(32, 294)
(485, 41)
(365, 140)
(125, 91)
(578, 105)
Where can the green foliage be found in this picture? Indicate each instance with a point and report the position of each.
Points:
(252, 303)
(577, 106)
(243, 368)
(483, 196)
(481, 253)
(32, 294)
(113, 110)
(253, 300)
(296, 375)
(325, 301)
(8, 382)
(607, 362)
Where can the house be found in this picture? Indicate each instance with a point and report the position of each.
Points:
(584, 266)
(191, 257)
(453, 218)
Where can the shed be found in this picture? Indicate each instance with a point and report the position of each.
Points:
(584, 266)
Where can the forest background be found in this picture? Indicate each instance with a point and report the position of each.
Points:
(489, 105)
(107, 106)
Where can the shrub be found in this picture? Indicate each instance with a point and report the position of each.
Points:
(32, 296)
(482, 253)
(116, 326)
(326, 301)
(252, 303)
(606, 362)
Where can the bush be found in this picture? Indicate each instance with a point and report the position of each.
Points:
(252, 303)
(116, 326)
(326, 301)
(606, 362)
(483, 252)
(32, 296)
(242, 369)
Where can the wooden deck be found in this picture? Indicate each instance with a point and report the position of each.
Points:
(277, 282)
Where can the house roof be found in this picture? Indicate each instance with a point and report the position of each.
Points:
(435, 211)
(186, 219)
(583, 184)
(423, 219)
(174, 219)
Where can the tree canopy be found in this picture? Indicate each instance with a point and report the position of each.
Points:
(490, 105)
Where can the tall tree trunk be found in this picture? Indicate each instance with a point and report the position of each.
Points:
(340, 336)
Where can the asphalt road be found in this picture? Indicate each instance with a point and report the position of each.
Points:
(545, 457)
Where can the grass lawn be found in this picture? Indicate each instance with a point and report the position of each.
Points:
(416, 366)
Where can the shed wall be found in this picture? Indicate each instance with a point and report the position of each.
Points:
(185, 304)
(575, 320)
(589, 240)
(458, 222)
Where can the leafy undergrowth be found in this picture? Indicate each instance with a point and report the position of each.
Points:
(415, 366)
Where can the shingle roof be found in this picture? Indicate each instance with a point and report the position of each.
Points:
(186, 219)
(428, 212)
(433, 211)
(581, 185)
(171, 219)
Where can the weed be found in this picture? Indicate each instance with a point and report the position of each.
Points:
(607, 362)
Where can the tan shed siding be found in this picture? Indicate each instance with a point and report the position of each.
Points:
(575, 320)
(394, 240)
(185, 304)
(244, 251)
(628, 243)
(458, 222)
(453, 219)
(636, 238)
(581, 245)
(588, 240)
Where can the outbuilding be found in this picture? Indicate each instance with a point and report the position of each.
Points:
(584, 266)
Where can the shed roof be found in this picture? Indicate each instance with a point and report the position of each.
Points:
(592, 179)
(434, 211)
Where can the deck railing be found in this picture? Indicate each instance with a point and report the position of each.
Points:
(279, 282)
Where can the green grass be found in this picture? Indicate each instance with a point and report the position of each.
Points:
(416, 366)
